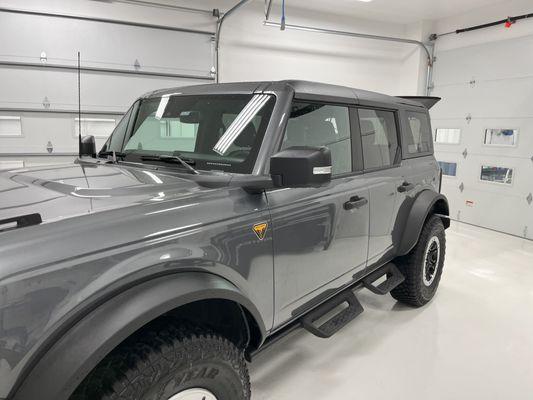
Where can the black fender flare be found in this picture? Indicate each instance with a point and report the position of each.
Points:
(425, 202)
(67, 362)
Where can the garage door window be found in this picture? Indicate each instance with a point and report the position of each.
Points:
(448, 168)
(379, 137)
(418, 138)
(494, 174)
(10, 126)
(448, 135)
(501, 137)
(313, 124)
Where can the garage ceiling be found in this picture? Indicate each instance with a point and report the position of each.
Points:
(404, 11)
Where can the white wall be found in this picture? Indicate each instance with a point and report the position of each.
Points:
(251, 51)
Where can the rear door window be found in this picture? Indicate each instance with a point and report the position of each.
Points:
(379, 137)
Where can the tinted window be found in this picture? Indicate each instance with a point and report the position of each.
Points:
(379, 138)
(322, 125)
(418, 137)
(216, 132)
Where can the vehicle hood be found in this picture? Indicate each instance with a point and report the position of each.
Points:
(63, 191)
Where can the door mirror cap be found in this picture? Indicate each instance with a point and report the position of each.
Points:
(87, 146)
(301, 166)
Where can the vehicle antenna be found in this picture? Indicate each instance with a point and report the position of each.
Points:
(79, 104)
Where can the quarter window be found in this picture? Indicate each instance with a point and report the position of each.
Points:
(379, 138)
(313, 124)
(418, 139)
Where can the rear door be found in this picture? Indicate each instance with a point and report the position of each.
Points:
(320, 234)
(385, 177)
(423, 169)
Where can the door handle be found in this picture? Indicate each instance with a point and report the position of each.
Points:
(355, 202)
(405, 187)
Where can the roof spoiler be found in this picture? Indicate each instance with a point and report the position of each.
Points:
(426, 101)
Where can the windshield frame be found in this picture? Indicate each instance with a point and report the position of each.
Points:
(201, 162)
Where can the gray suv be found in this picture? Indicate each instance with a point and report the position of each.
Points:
(215, 220)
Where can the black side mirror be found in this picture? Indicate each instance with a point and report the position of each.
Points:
(301, 166)
(87, 146)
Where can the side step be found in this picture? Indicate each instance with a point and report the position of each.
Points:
(335, 323)
(394, 278)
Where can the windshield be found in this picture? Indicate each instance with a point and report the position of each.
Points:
(211, 132)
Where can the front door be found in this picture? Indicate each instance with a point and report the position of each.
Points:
(320, 234)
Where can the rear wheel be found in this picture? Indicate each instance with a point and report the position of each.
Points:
(170, 363)
(422, 267)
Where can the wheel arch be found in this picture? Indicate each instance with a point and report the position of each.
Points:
(426, 203)
(88, 341)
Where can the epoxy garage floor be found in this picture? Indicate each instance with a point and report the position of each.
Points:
(473, 341)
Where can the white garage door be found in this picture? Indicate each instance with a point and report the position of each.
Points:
(484, 133)
(38, 79)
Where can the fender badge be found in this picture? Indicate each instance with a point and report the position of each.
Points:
(260, 230)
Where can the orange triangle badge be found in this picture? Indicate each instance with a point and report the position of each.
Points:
(260, 230)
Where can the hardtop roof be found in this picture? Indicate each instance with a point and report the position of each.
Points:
(300, 87)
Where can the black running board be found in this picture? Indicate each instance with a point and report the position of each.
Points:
(335, 323)
(394, 278)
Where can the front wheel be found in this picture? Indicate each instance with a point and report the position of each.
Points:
(422, 267)
(170, 363)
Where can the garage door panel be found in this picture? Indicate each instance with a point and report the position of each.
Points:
(486, 99)
(27, 88)
(496, 60)
(38, 130)
(495, 212)
(473, 134)
(104, 45)
(499, 97)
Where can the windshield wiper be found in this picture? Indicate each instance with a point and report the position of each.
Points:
(114, 154)
(172, 159)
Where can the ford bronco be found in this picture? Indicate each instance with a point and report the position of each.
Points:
(214, 220)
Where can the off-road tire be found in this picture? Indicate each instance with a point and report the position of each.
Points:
(413, 291)
(161, 362)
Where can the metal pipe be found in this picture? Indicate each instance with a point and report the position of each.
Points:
(352, 34)
(19, 110)
(166, 6)
(429, 76)
(18, 155)
(268, 8)
(220, 22)
(429, 54)
(102, 70)
(105, 20)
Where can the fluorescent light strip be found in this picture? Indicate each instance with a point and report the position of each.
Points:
(243, 119)
(240, 122)
(237, 122)
(162, 106)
